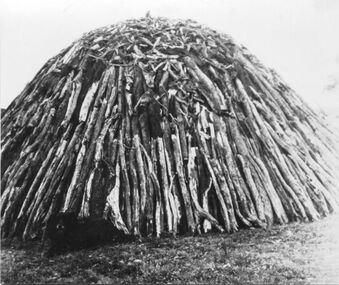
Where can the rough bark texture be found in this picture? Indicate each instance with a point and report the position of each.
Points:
(162, 127)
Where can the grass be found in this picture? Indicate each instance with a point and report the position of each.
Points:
(285, 254)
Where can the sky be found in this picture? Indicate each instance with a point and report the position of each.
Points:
(298, 38)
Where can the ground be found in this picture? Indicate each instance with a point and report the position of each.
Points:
(307, 253)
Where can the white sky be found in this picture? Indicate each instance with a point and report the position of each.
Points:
(298, 38)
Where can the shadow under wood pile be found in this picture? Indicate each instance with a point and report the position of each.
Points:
(163, 126)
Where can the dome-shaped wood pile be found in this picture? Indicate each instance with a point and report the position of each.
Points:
(163, 126)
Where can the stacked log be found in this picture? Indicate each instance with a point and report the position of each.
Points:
(163, 127)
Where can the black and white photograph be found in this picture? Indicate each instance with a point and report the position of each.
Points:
(169, 141)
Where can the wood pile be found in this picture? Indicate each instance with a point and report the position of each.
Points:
(163, 127)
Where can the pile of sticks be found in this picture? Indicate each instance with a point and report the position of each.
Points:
(163, 127)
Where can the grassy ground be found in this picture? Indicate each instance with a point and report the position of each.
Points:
(295, 253)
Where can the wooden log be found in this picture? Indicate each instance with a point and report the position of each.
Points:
(141, 174)
(86, 104)
(76, 88)
(182, 183)
(200, 212)
(164, 184)
(173, 195)
(135, 193)
(153, 186)
(207, 226)
(245, 206)
(158, 213)
(126, 188)
(112, 207)
(211, 93)
(253, 188)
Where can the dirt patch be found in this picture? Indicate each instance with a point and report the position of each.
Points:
(307, 253)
